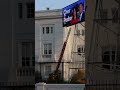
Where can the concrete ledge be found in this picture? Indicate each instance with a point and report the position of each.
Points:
(44, 86)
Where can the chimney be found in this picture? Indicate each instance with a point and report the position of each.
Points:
(47, 8)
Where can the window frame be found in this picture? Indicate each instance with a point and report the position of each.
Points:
(46, 48)
(48, 70)
(48, 29)
(110, 64)
(20, 10)
(30, 9)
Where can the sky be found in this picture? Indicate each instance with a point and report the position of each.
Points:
(52, 4)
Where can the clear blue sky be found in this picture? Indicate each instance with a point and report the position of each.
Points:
(52, 4)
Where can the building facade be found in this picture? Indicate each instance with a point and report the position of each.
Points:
(17, 36)
(102, 41)
(49, 38)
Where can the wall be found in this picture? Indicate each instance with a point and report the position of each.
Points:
(22, 31)
(44, 86)
(97, 39)
(43, 18)
(53, 17)
(13, 30)
(71, 54)
(6, 40)
(71, 57)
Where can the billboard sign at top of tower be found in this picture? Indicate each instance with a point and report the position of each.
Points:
(74, 13)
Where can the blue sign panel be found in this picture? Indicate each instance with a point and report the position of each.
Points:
(74, 13)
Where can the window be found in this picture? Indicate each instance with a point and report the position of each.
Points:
(77, 32)
(83, 32)
(27, 54)
(20, 72)
(114, 15)
(43, 30)
(25, 61)
(20, 10)
(80, 49)
(109, 61)
(33, 61)
(30, 10)
(51, 29)
(48, 49)
(33, 54)
(103, 15)
(47, 29)
(47, 70)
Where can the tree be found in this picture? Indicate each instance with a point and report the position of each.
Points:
(78, 77)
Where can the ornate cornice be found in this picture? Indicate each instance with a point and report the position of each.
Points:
(48, 14)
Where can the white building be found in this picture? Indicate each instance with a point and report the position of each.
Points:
(49, 38)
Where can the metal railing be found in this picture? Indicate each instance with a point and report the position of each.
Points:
(16, 86)
(103, 85)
